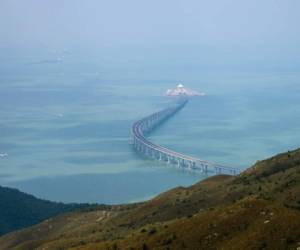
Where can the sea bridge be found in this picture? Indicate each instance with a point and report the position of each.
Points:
(144, 126)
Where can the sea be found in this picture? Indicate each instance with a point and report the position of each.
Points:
(66, 117)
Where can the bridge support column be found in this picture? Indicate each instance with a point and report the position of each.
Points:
(154, 154)
(193, 165)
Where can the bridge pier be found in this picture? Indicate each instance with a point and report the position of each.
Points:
(160, 156)
(155, 155)
(193, 165)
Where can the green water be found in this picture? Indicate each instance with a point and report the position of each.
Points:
(66, 125)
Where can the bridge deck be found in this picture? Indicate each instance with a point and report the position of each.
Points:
(141, 143)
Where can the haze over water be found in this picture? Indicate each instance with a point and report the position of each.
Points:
(67, 105)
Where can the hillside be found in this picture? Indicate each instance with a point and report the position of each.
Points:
(259, 209)
(19, 210)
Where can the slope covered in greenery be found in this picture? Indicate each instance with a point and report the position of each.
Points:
(259, 209)
(19, 210)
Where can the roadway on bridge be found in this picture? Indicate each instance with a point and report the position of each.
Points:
(138, 130)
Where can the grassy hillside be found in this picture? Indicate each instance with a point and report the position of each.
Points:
(19, 210)
(259, 209)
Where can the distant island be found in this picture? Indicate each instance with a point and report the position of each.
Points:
(258, 209)
(181, 90)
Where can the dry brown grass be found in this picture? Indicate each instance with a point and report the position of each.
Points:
(260, 209)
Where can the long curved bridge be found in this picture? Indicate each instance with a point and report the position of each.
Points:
(149, 149)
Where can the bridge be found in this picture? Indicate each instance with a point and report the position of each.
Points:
(144, 126)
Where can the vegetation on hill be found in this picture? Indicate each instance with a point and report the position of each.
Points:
(259, 209)
(19, 210)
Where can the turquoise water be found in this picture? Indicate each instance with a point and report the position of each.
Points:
(65, 125)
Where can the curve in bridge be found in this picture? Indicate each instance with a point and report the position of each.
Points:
(149, 149)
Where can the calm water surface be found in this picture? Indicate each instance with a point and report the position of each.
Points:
(65, 125)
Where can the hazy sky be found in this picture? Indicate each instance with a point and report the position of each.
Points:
(230, 26)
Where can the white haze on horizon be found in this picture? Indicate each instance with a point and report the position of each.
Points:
(218, 33)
